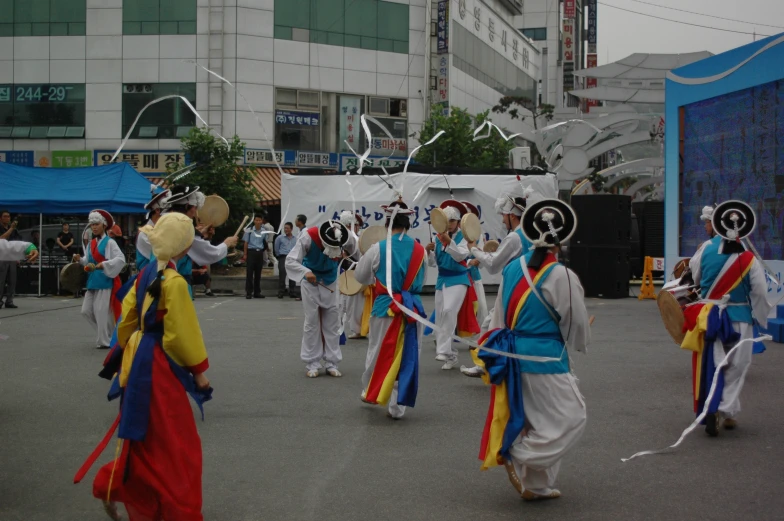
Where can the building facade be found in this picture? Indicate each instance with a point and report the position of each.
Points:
(75, 74)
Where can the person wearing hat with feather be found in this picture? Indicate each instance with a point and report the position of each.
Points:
(314, 261)
(733, 296)
(455, 295)
(103, 262)
(155, 209)
(159, 360)
(537, 413)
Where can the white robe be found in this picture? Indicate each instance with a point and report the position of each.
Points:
(555, 411)
(96, 307)
(738, 366)
(320, 305)
(143, 242)
(202, 253)
(510, 248)
(13, 250)
(449, 300)
(365, 274)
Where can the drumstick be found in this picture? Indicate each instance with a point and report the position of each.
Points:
(323, 286)
(245, 220)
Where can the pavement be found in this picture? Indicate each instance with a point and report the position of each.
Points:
(279, 446)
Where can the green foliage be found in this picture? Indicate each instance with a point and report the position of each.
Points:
(218, 173)
(513, 104)
(456, 147)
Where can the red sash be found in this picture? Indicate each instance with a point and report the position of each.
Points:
(315, 237)
(115, 306)
(388, 350)
(466, 317)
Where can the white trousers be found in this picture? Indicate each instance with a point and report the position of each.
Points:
(354, 308)
(555, 417)
(320, 333)
(449, 300)
(735, 371)
(481, 311)
(95, 308)
(378, 329)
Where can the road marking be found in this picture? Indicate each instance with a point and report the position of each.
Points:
(218, 304)
(287, 318)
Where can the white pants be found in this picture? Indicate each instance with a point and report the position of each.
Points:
(320, 334)
(355, 306)
(378, 329)
(449, 300)
(481, 311)
(95, 309)
(735, 371)
(555, 417)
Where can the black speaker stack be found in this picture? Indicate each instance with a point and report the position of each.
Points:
(650, 216)
(600, 249)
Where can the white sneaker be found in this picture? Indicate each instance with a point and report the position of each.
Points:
(450, 364)
(441, 358)
(472, 372)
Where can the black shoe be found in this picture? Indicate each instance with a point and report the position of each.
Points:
(209, 293)
(11, 306)
(258, 295)
(248, 297)
(712, 424)
(280, 295)
(103, 347)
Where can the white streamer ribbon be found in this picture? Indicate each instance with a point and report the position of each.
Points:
(150, 104)
(708, 400)
(490, 126)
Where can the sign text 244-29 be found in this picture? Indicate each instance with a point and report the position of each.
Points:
(35, 93)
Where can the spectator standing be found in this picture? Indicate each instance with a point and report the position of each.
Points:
(65, 242)
(255, 244)
(283, 245)
(301, 221)
(8, 232)
(270, 238)
(201, 275)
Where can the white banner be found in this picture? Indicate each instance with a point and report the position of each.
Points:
(323, 197)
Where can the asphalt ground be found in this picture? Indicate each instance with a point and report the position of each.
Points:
(279, 446)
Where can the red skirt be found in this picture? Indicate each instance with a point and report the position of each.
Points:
(160, 477)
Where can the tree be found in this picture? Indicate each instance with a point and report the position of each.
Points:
(519, 102)
(218, 173)
(457, 147)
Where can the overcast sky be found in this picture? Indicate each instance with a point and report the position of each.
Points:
(622, 33)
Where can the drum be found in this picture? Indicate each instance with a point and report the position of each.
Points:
(348, 284)
(472, 230)
(680, 268)
(371, 236)
(215, 211)
(491, 246)
(439, 220)
(672, 301)
(73, 277)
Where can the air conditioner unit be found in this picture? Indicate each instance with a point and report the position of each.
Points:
(129, 89)
(520, 158)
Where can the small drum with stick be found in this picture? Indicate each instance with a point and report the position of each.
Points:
(472, 230)
(215, 211)
(235, 255)
(491, 246)
(371, 236)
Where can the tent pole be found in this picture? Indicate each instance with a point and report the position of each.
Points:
(40, 249)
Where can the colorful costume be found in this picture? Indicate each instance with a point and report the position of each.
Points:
(157, 470)
(143, 246)
(99, 307)
(536, 410)
(318, 251)
(734, 294)
(392, 363)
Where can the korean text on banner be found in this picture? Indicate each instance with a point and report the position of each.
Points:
(568, 41)
(569, 9)
(590, 83)
(443, 26)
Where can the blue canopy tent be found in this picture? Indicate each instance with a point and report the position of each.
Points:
(116, 188)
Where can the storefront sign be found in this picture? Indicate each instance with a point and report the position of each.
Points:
(289, 117)
(443, 26)
(18, 158)
(349, 161)
(350, 126)
(317, 159)
(442, 94)
(569, 9)
(590, 83)
(145, 162)
(568, 41)
(398, 145)
(63, 158)
(262, 157)
(592, 26)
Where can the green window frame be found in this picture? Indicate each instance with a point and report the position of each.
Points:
(43, 17)
(361, 24)
(159, 17)
(168, 119)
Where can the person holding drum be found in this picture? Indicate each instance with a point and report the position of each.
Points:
(455, 295)
(733, 295)
(155, 209)
(392, 362)
(103, 263)
(353, 306)
(314, 260)
(544, 315)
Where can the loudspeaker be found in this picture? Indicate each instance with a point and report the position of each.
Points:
(650, 216)
(604, 271)
(602, 220)
(27, 280)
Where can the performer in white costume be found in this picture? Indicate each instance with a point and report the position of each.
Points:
(155, 209)
(352, 306)
(391, 363)
(17, 251)
(545, 414)
(314, 262)
(103, 261)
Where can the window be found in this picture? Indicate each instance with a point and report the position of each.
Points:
(168, 119)
(43, 17)
(159, 16)
(42, 111)
(538, 34)
(363, 24)
(297, 120)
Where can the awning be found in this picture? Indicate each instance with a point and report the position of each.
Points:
(265, 180)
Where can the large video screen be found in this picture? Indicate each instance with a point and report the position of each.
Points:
(732, 147)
